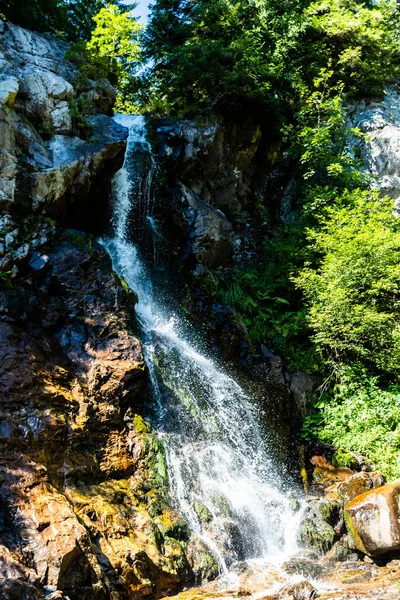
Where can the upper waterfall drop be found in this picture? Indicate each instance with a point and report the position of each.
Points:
(222, 478)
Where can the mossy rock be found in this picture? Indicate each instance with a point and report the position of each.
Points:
(222, 504)
(140, 425)
(203, 563)
(316, 531)
(316, 535)
(178, 531)
(202, 512)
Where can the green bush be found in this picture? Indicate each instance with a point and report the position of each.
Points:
(353, 290)
(361, 416)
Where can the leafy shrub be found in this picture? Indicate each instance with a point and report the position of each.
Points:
(353, 291)
(362, 416)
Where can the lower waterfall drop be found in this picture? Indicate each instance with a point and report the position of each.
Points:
(222, 478)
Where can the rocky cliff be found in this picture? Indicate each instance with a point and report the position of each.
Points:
(84, 511)
(46, 165)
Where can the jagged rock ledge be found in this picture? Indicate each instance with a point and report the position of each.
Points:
(45, 165)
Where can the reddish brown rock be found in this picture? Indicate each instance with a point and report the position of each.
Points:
(78, 493)
(326, 475)
(359, 484)
(373, 519)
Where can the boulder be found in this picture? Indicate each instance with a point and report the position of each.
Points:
(373, 520)
(298, 591)
(318, 527)
(359, 484)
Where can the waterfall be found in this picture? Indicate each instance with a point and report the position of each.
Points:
(222, 477)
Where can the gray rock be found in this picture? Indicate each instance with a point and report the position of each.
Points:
(210, 233)
(380, 152)
(37, 84)
(38, 261)
(302, 386)
(21, 253)
(298, 591)
(9, 87)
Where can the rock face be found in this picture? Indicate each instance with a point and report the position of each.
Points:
(373, 520)
(44, 165)
(380, 152)
(83, 505)
(209, 231)
(84, 511)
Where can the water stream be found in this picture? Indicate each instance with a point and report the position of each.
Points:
(222, 477)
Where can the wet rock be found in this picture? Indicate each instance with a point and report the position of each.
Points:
(298, 591)
(202, 512)
(341, 551)
(373, 520)
(79, 487)
(326, 475)
(209, 232)
(203, 564)
(317, 529)
(306, 567)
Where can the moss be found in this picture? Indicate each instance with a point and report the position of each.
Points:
(178, 531)
(341, 458)
(316, 531)
(222, 504)
(202, 512)
(353, 533)
(207, 565)
(80, 239)
(140, 424)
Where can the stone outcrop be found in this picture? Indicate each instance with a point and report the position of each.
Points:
(83, 505)
(209, 233)
(45, 166)
(379, 148)
(373, 520)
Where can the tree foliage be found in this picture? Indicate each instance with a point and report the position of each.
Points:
(353, 291)
(207, 54)
(115, 45)
(72, 19)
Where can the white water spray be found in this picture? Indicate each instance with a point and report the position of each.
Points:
(222, 477)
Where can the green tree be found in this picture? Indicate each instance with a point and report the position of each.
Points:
(81, 15)
(228, 52)
(115, 47)
(353, 290)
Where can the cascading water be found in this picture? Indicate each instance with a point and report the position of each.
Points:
(221, 475)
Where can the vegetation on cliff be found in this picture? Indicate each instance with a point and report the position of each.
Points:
(324, 289)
